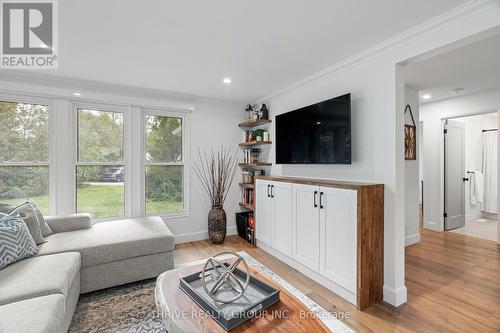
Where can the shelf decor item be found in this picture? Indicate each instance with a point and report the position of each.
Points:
(216, 173)
(258, 134)
(266, 136)
(250, 111)
(255, 155)
(264, 112)
(410, 137)
(247, 177)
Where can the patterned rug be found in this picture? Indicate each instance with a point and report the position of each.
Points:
(131, 308)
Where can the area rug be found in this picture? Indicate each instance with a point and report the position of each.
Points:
(131, 308)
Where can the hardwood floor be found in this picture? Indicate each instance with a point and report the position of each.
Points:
(453, 285)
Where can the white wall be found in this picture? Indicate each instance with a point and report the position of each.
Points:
(377, 87)
(412, 182)
(432, 115)
(212, 123)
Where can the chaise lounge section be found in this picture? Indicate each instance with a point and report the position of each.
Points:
(39, 294)
(115, 252)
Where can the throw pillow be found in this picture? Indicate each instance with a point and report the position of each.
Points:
(28, 213)
(44, 227)
(16, 242)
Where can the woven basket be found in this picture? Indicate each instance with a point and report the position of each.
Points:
(247, 177)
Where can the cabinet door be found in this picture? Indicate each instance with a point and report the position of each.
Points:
(338, 225)
(306, 225)
(263, 212)
(282, 233)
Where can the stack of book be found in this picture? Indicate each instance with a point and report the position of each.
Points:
(248, 196)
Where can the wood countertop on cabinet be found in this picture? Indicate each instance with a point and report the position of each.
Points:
(319, 182)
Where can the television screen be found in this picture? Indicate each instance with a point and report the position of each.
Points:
(315, 134)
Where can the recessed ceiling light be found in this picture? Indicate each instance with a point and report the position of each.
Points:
(426, 96)
(456, 91)
(226, 80)
(77, 94)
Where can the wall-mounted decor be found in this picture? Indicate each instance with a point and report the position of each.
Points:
(410, 137)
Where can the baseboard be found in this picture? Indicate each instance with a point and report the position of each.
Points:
(412, 239)
(473, 216)
(489, 216)
(199, 235)
(395, 297)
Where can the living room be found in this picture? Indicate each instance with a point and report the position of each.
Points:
(139, 144)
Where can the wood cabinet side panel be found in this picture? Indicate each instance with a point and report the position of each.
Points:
(370, 247)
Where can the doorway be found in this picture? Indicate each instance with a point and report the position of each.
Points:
(457, 92)
(471, 169)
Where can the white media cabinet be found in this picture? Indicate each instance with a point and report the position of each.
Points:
(331, 231)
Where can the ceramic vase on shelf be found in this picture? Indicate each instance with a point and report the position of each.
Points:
(217, 225)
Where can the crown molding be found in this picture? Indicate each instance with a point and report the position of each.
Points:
(398, 39)
(55, 81)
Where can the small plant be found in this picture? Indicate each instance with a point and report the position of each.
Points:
(258, 133)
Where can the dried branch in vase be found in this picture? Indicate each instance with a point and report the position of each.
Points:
(216, 172)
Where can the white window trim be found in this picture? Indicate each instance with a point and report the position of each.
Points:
(63, 150)
(185, 160)
(26, 99)
(126, 152)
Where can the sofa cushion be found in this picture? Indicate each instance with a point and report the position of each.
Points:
(40, 314)
(16, 242)
(110, 241)
(39, 276)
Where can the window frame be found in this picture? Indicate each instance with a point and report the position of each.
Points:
(184, 116)
(127, 209)
(28, 99)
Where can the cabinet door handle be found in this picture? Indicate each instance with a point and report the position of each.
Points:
(268, 195)
(272, 190)
(321, 200)
(315, 195)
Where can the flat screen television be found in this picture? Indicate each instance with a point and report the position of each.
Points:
(315, 134)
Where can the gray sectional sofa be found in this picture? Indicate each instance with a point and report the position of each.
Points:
(39, 294)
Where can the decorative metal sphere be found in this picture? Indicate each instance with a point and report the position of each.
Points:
(223, 275)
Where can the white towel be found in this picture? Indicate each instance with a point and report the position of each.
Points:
(476, 187)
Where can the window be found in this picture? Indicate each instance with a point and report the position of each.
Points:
(109, 160)
(100, 168)
(24, 153)
(163, 164)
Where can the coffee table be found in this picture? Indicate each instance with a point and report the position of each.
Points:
(181, 315)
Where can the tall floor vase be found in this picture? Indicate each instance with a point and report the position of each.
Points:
(217, 225)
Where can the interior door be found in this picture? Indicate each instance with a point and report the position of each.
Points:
(282, 202)
(263, 212)
(306, 225)
(454, 196)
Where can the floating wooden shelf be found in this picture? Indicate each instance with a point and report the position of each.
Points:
(254, 143)
(247, 185)
(246, 206)
(249, 165)
(254, 122)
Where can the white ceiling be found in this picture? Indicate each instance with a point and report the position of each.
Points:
(188, 46)
(474, 67)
